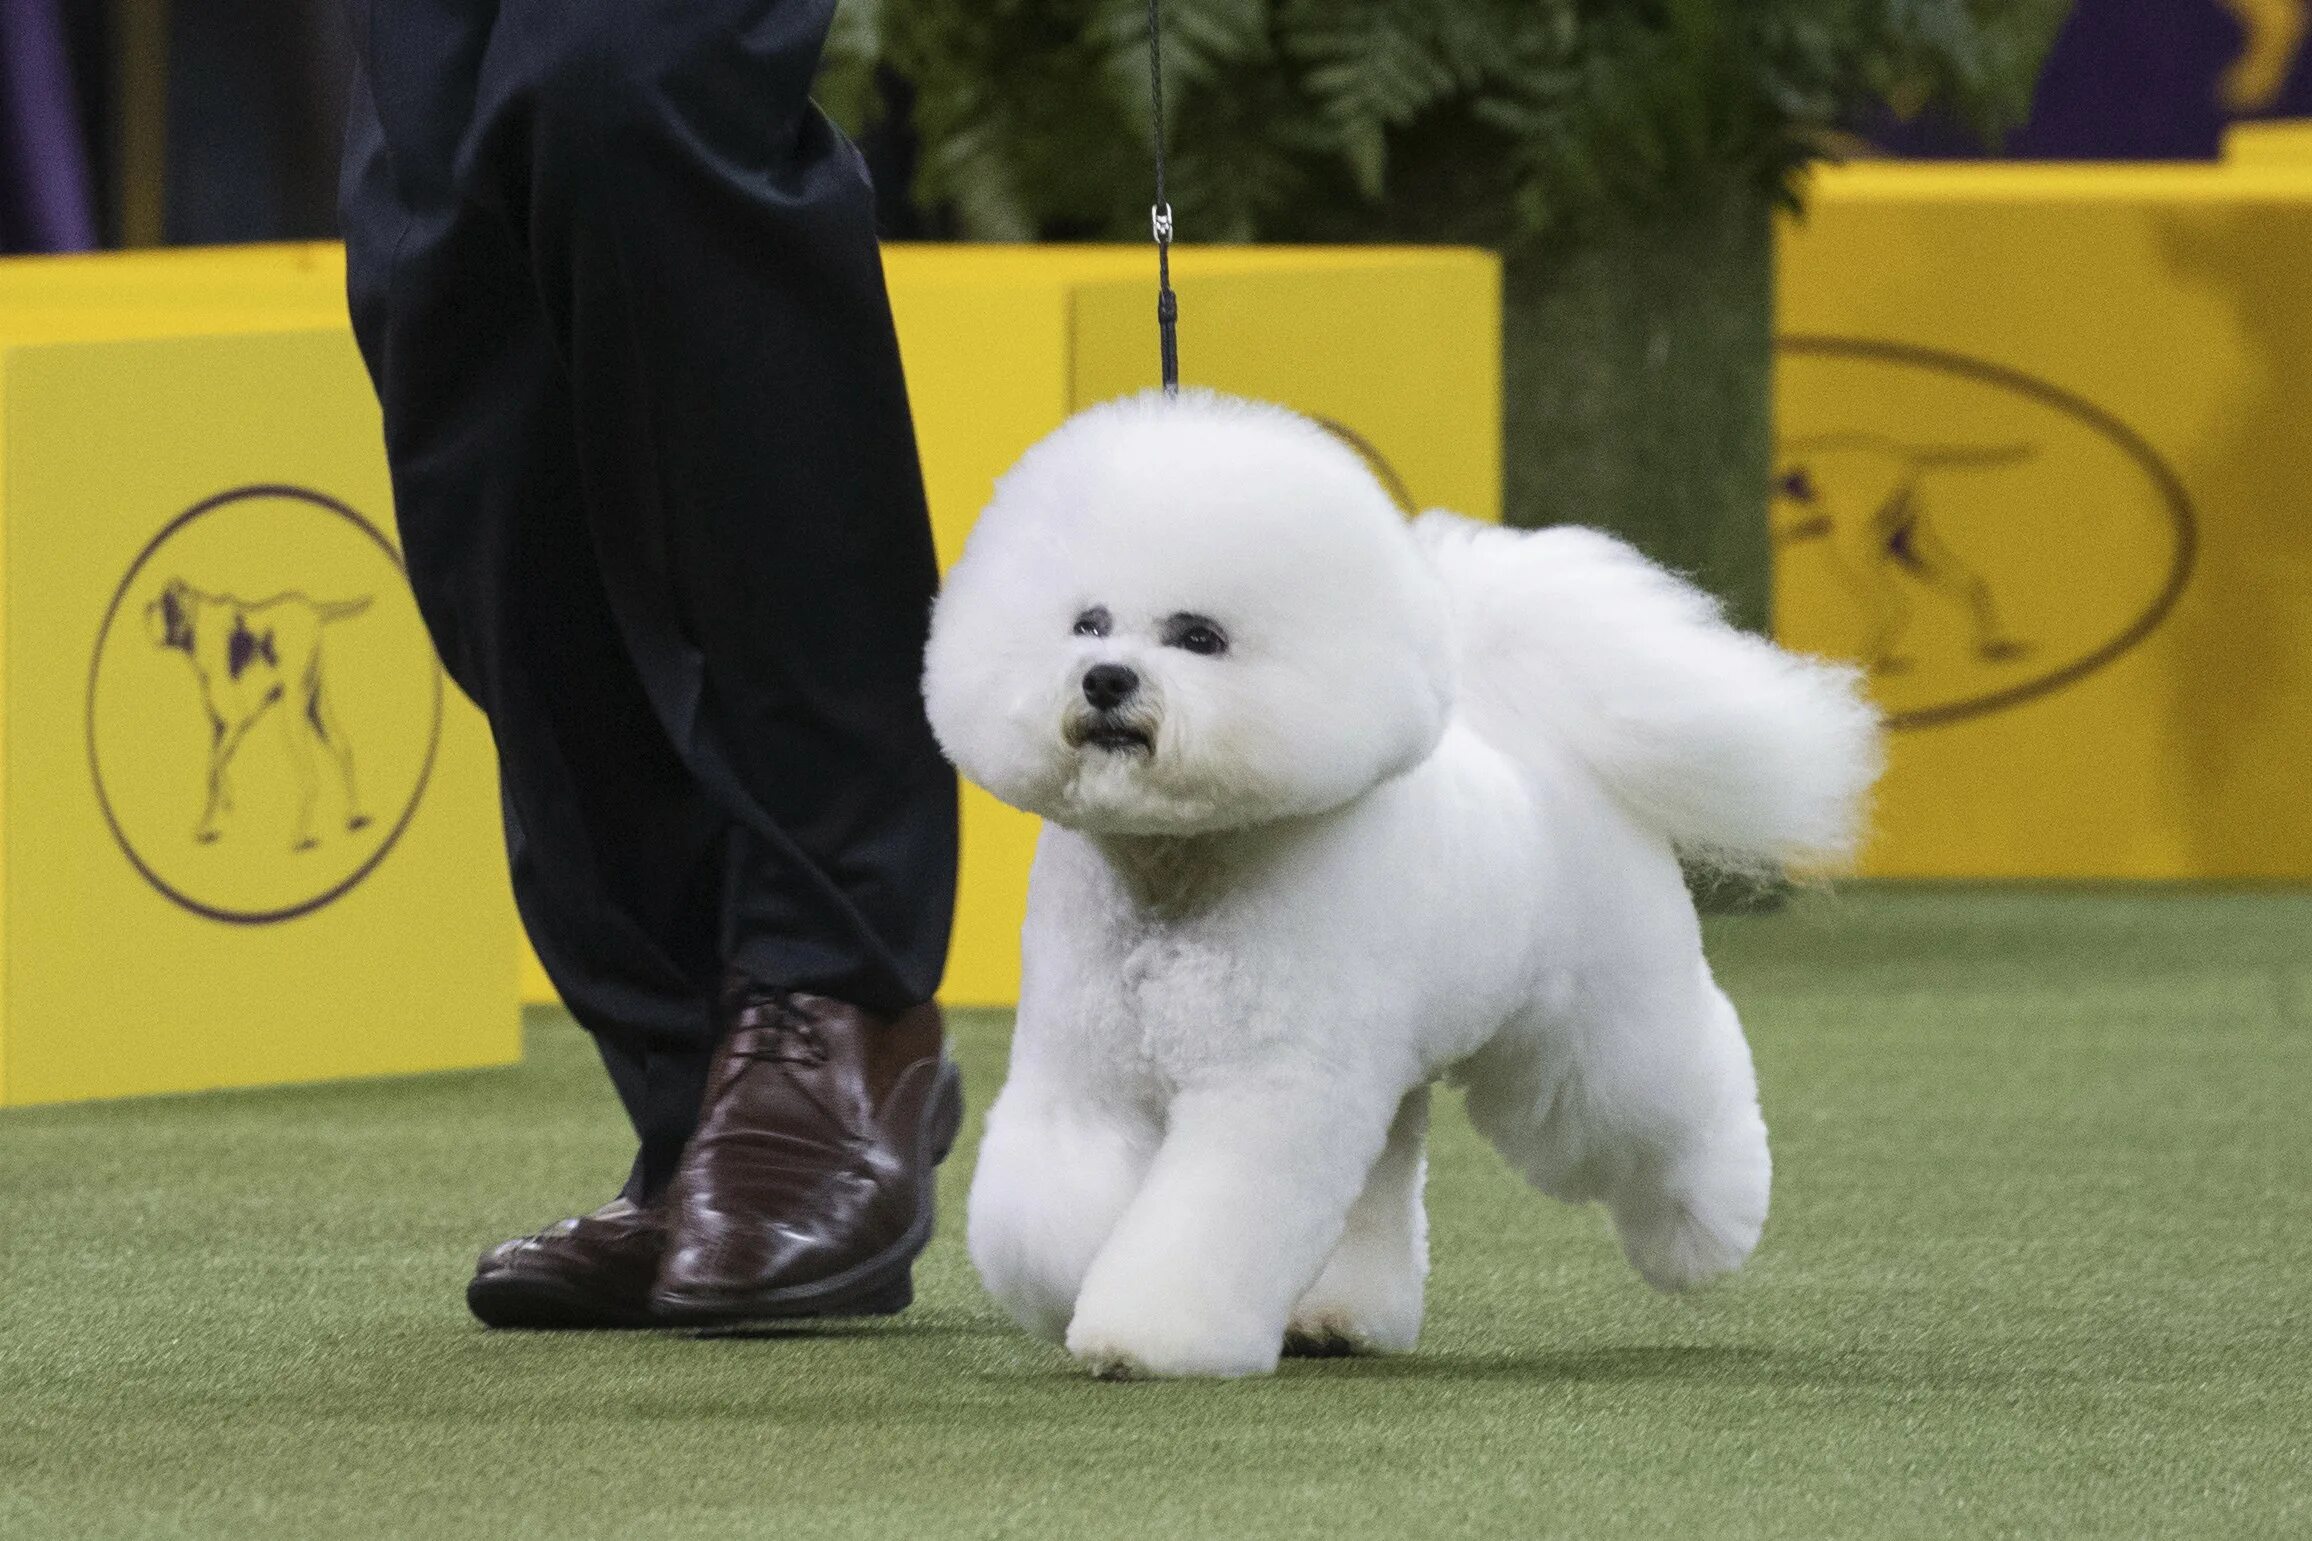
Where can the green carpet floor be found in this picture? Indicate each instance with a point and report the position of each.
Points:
(2038, 1267)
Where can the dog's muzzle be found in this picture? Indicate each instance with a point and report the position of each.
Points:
(1117, 732)
(1113, 714)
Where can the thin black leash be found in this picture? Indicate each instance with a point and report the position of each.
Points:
(1160, 214)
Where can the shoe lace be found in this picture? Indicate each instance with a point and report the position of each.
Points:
(776, 1033)
(780, 1035)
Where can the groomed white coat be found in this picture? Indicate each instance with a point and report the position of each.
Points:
(1350, 806)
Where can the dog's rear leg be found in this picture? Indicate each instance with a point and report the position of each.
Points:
(1369, 1296)
(1639, 1092)
(323, 716)
(1890, 618)
(297, 738)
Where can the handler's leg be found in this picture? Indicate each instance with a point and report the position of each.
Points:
(615, 854)
(619, 859)
(657, 487)
(704, 252)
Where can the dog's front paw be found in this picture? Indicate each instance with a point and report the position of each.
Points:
(1158, 1344)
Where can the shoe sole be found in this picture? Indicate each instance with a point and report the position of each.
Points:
(883, 1285)
(509, 1300)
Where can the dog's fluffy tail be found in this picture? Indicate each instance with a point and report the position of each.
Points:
(1744, 756)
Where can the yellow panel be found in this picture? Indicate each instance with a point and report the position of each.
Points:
(193, 291)
(986, 361)
(5, 822)
(2017, 185)
(185, 278)
(2042, 465)
(2277, 142)
(1404, 349)
(200, 529)
(536, 988)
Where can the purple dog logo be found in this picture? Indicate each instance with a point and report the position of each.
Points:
(254, 662)
(1871, 501)
(1975, 537)
(264, 706)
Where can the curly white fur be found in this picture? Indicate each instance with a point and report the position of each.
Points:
(1417, 816)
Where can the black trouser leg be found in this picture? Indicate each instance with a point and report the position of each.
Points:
(617, 284)
(704, 245)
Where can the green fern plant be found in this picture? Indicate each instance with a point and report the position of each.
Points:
(1035, 112)
(1624, 155)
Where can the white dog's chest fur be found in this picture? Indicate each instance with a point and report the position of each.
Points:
(1161, 989)
(1405, 928)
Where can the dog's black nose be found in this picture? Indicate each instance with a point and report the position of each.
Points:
(1109, 685)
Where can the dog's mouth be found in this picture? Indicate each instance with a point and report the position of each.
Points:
(1113, 734)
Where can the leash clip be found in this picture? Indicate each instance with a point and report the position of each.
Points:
(1160, 221)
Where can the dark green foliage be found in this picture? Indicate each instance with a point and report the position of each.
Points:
(1635, 372)
(1483, 120)
(1625, 155)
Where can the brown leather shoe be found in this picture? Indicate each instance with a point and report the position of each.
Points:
(808, 1188)
(590, 1271)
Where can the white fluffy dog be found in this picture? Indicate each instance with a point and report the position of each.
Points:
(1338, 806)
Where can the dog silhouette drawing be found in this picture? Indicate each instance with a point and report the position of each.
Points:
(1867, 500)
(262, 662)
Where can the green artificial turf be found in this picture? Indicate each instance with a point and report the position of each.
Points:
(2038, 1265)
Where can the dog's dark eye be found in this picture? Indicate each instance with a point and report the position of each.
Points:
(1093, 622)
(1195, 634)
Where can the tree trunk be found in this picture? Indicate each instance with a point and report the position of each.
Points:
(1637, 361)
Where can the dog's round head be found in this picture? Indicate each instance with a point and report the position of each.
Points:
(1186, 615)
(169, 619)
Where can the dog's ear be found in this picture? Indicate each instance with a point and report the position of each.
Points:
(169, 618)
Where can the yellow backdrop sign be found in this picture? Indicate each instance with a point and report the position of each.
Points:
(2044, 472)
(249, 830)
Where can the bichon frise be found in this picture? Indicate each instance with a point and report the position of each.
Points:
(1338, 806)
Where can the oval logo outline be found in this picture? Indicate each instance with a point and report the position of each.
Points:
(2174, 501)
(420, 783)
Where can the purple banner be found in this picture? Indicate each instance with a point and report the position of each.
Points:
(45, 198)
(2147, 80)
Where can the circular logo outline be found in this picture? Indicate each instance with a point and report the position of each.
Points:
(2164, 481)
(95, 765)
(1376, 463)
